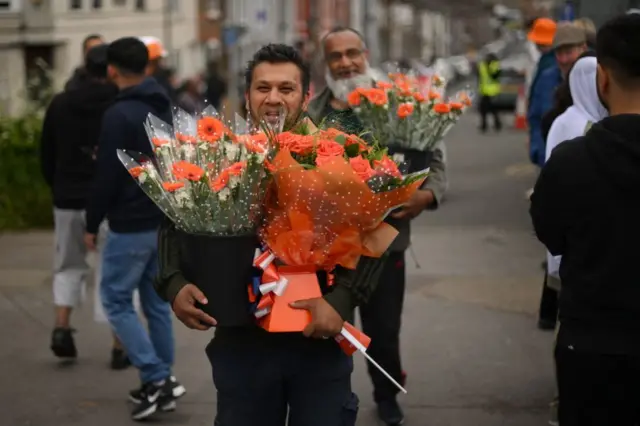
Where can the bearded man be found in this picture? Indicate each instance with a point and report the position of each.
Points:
(347, 67)
(273, 379)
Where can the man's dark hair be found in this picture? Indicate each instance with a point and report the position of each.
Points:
(278, 54)
(341, 29)
(89, 38)
(96, 62)
(129, 55)
(617, 49)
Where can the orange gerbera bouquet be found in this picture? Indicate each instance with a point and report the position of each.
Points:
(407, 111)
(206, 177)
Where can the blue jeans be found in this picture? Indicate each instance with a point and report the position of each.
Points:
(130, 261)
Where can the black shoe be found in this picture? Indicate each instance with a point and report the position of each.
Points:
(390, 412)
(149, 398)
(546, 324)
(119, 359)
(172, 390)
(62, 343)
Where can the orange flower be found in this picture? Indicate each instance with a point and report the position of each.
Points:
(322, 160)
(355, 140)
(433, 95)
(210, 129)
(405, 110)
(387, 166)
(419, 97)
(362, 168)
(384, 85)
(456, 106)
(298, 144)
(442, 108)
(465, 99)
(255, 143)
(354, 98)
(377, 96)
(221, 181)
(403, 88)
(185, 138)
(159, 142)
(236, 168)
(186, 170)
(136, 171)
(172, 186)
(329, 148)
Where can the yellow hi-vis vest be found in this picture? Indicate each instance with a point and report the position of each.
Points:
(487, 85)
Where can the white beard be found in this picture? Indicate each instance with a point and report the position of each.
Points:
(342, 88)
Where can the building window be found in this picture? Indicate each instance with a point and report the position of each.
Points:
(5, 5)
(97, 4)
(119, 3)
(140, 5)
(75, 4)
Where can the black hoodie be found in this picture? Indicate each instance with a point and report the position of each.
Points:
(69, 139)
(115, 194)
(586, 207)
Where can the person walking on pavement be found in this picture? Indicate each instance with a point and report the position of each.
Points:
(156, 68)
(347, 67)
(216, 87)
(130, 257)
(80, 74)
(562, 45)
(273, 379)
(70, 133)
(489, 87)
(597, 349)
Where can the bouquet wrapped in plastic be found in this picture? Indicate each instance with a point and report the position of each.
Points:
(211, 180)
(331, 193)
(408, 114)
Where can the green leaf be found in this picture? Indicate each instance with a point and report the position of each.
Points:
(341, 139)
(352, 150)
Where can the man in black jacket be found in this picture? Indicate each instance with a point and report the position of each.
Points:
(258, 375)
(80, 74)
(130, 257)
(347, 67)
(69, 140)
(598, 343)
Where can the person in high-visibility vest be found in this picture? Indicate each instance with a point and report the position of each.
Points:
(489, 88)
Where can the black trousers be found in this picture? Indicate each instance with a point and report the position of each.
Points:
(597, 389)
(381, 320)
(548, 302)
(487, 107)
(264, 378)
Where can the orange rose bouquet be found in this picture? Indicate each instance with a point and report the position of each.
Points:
(330, 194)
(408, 112)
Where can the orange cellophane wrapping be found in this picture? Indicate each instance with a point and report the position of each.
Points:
(303, 284)
(327, 216)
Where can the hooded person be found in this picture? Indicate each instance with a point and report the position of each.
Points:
(576, 120)
(585, 208)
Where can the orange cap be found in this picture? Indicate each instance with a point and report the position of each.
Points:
(543, 31)
(155, 47)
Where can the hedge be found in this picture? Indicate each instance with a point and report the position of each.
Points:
(25, 199)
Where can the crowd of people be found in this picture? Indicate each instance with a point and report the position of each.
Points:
(582, 117)
(99, 207)
(582, 206)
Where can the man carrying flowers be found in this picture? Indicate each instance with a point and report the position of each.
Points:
(261, 377)
(347, 68)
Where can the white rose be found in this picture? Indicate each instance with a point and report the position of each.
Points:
(224, 194)
(232, 151)
(189, 152)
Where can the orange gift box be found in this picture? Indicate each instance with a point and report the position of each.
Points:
(302, 284)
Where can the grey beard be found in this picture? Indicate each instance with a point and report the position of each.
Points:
(341, 88)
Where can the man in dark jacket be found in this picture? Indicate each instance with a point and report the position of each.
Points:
(80, 73)
(130, 258)
(345, 55)
(69, 140)
(598, 347)
(258, 375)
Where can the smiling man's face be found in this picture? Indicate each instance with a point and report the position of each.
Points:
(345, 54)
(275, 86)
